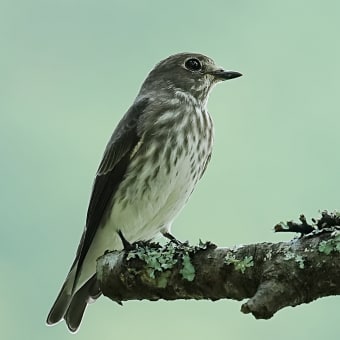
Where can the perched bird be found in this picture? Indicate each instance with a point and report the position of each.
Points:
(156, 155)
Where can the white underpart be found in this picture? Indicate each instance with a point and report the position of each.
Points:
(148, 214)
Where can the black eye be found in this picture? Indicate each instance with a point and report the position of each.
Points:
(193, 64)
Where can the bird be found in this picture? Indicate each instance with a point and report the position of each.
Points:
(156, 155)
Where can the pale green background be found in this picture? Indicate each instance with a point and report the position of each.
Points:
(70, 69)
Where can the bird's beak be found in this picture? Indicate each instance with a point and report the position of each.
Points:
(221, 74)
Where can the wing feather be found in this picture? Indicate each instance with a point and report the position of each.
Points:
(110, 174)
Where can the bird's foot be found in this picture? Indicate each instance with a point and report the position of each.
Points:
(172, 239)
(126, 244)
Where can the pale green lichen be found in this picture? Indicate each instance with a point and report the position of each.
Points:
(188, 270)
(268, 255)
(239, 264)
(288, 255)
(330, 245)
(162, 279)
(156, 260)
(297, 258)
(159, 259)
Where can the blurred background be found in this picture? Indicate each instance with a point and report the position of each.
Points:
(70, 69)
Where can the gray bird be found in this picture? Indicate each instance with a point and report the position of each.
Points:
(151, 165)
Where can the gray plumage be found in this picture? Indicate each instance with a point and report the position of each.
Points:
(156, 155)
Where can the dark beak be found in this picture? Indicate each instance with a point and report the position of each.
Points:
(225, 75)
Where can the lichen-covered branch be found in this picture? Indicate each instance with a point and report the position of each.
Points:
(270, 275)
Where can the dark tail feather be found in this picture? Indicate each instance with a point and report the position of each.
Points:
(76, 308)
(61, 304)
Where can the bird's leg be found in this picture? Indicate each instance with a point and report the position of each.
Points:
(172, 238)
(126, 244)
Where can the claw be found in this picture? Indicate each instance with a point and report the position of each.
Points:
(172, 238)
(126, 244)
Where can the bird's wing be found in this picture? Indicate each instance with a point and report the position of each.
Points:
(110, 173)
(205, 165)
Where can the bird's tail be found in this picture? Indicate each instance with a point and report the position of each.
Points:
(63, 300)
(71, 306)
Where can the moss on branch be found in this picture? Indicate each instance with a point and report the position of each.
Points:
(270, 276)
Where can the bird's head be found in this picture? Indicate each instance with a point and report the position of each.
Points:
(191, 73)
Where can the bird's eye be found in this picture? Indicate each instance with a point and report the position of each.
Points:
(193, 64)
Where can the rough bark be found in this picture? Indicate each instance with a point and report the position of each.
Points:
(270, 275)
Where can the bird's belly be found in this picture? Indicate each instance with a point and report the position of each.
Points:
(150, 204)
(143, 207)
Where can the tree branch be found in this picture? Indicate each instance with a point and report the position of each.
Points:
(271, 275)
